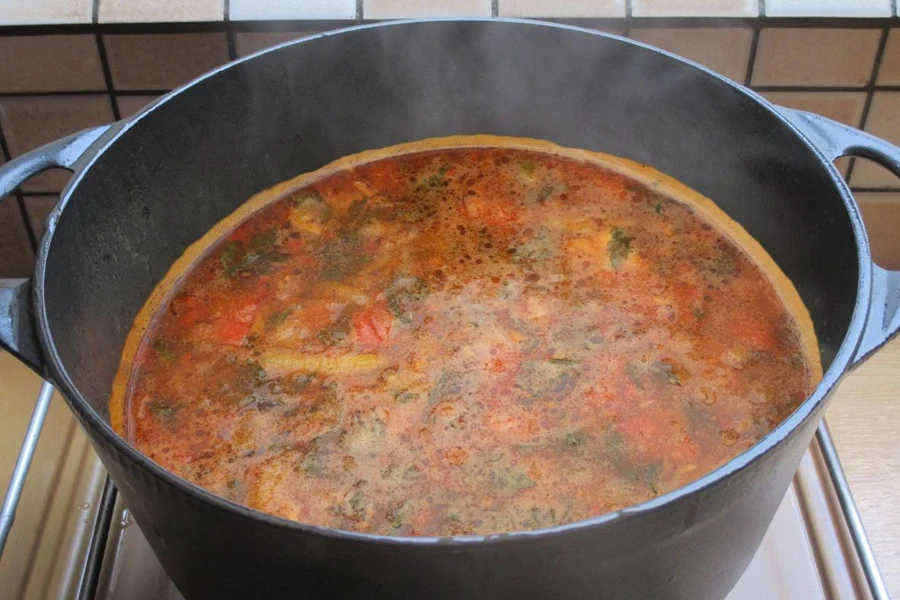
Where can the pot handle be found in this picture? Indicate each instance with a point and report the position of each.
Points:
(17, 333)
(834, 140)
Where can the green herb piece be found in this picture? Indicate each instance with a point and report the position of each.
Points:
(229, 257)
(277, 318)
(667, 372)
(527, 166)
(263, 242)
(357, 500)
(450, 383)
(405, 396)
(164, 409)
(545, 380)
(565, 361)
(699, 312)
(632, 370)
(619, 247)
(438, 178)
(165, 349)
(513, 479)
(658, 207)
(412, 472)
(575, 438)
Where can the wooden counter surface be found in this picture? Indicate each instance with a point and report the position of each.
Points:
(864, 417)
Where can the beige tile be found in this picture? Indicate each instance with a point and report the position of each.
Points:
(828, 8)
(406, 9)
(881, 214)
(161, 61)
(254, 10)
(248, 42)
(45, 12)
(694, 8)
(37, 209)
(50, 63)
(29, 122)
(129, 105)
(889, 71)
(15, 248)
(562, 9)
(724, 50)
(883, 121)
(815, 57)
(845, 107)
(160, 11)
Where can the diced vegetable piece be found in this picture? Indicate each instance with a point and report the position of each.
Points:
(372, 325)
(279, 363)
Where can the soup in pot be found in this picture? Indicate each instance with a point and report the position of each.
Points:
(464, 336)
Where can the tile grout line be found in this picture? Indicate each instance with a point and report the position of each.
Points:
(95, 12)
(20, 201)
(760, 9)
(629, 13)
(495, 8)
(359, 11)
(264, 26)
(870, 92)
(229, 32)
(751, 60)
(107, 76)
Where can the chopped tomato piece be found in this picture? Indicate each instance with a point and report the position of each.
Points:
(644, 430)
(753, 333)
(372, 325)
(488, 212)
(232, 332)
(189, 311)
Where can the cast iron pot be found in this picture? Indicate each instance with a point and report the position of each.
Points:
(147, 187)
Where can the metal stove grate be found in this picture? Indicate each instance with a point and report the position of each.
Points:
(93, 562)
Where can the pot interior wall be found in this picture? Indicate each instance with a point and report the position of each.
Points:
(195, 158)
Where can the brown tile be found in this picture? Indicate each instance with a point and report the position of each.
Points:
(814, 57)
(881, 214)
(160, 11)
(883, 121)
(46, 12)
(568, 9)
(889, 71)
(50, 63)
(129, 105)
(162, 61)
(248, 42)
(37, 209)
(724, 50)
(29, 122)
(406, 9)
(694, 8)
(845, 107)
(15, 248)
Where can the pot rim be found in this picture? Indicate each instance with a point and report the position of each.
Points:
(780, 433)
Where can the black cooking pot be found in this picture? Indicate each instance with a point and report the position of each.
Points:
(146, 188)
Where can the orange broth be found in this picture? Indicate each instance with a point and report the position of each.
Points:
(465, 339)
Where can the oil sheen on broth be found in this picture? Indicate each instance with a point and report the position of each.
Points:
(478, 335)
